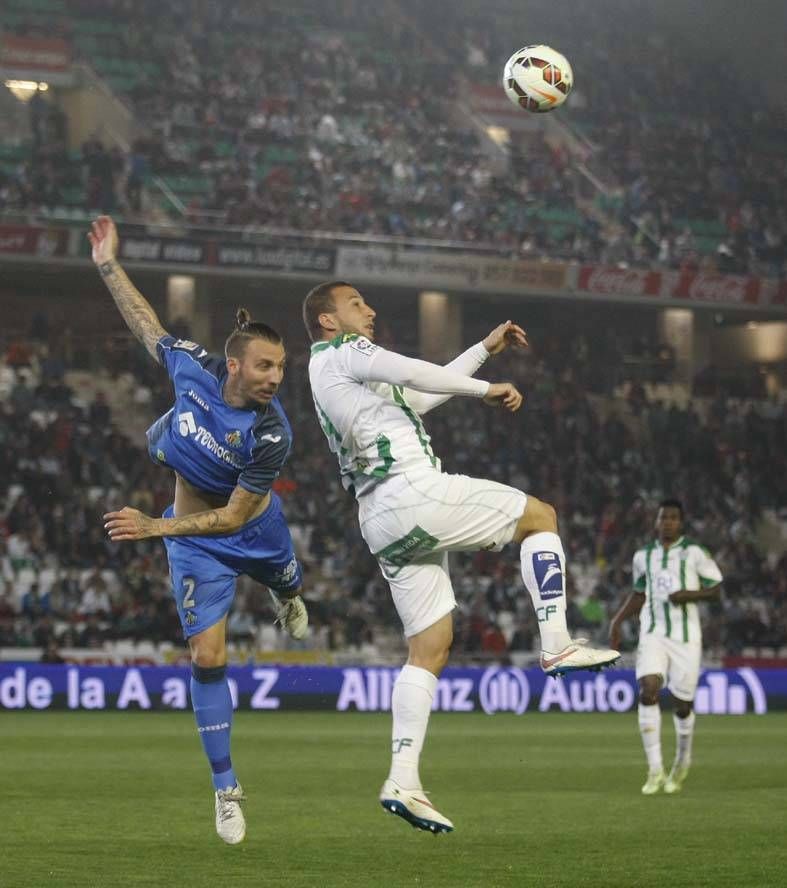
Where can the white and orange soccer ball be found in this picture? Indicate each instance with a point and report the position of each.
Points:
(538, 78)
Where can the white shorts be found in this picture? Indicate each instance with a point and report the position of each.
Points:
(411, 522)
(677, 662)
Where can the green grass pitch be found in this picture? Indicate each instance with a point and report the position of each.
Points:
(124, 799)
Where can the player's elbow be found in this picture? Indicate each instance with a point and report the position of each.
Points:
(419, 402)
(419, 380)
(411, 381)
(230, 520)
(242, 509)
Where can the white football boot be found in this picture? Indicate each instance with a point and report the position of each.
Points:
(230, 822)
(654, 783)
(576, 656)
(413, 806)
(677, 775)
(291, 615)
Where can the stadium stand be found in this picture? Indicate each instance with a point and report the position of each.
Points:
(690, 181)
(362, 135)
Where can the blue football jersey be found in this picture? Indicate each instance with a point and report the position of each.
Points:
(212, 445)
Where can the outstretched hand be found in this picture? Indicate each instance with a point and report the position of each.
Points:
(504, 335)
(103, 239)
(129, 524)
(503, 394)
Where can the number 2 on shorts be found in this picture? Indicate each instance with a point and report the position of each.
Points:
(188, 592)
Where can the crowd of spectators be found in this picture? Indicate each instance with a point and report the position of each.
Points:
(694, 161)
(339, 117)
(596, 447)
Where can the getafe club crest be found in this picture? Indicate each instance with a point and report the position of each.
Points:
(234, 438)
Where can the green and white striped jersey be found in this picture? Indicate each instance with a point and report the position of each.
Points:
(374, 427)
(658, 572)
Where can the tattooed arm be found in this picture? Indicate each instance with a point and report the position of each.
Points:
(136, 310)
(242, 506)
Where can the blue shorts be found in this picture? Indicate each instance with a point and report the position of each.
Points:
(203, 568)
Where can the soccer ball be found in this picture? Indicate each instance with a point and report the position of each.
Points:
(538, 78)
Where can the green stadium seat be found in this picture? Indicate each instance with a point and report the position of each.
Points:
(188, 185)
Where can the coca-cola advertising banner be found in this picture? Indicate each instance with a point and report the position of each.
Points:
(694, 287)
(618, 281)
(715, 288)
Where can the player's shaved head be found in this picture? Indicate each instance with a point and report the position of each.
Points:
(320, 299)
(246, 330)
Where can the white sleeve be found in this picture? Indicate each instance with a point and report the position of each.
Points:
(707, 569)
(367, 362)
(467, 363)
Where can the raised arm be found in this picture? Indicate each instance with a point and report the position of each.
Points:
(467, 364)
(369, 363)
(470, 361)
(136, 310)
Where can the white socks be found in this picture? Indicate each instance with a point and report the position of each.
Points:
(543, 564)
(650, 731)
(684, 734)
(411, 704)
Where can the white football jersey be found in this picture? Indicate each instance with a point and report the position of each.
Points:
(658, 572)
(372, 426)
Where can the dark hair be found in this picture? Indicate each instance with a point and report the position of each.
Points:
(318, 300)
(672, 504)
(246, 330)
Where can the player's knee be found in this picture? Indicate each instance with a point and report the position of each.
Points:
(649, 695)
(208, 659)
(435, 663)
(430, 649)
(442, 658)
(683, 708)
(538, 517)
(433, 657)
(649, 692)
(550, 518)
(208, 655)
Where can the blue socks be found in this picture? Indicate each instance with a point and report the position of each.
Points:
(212, 704)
